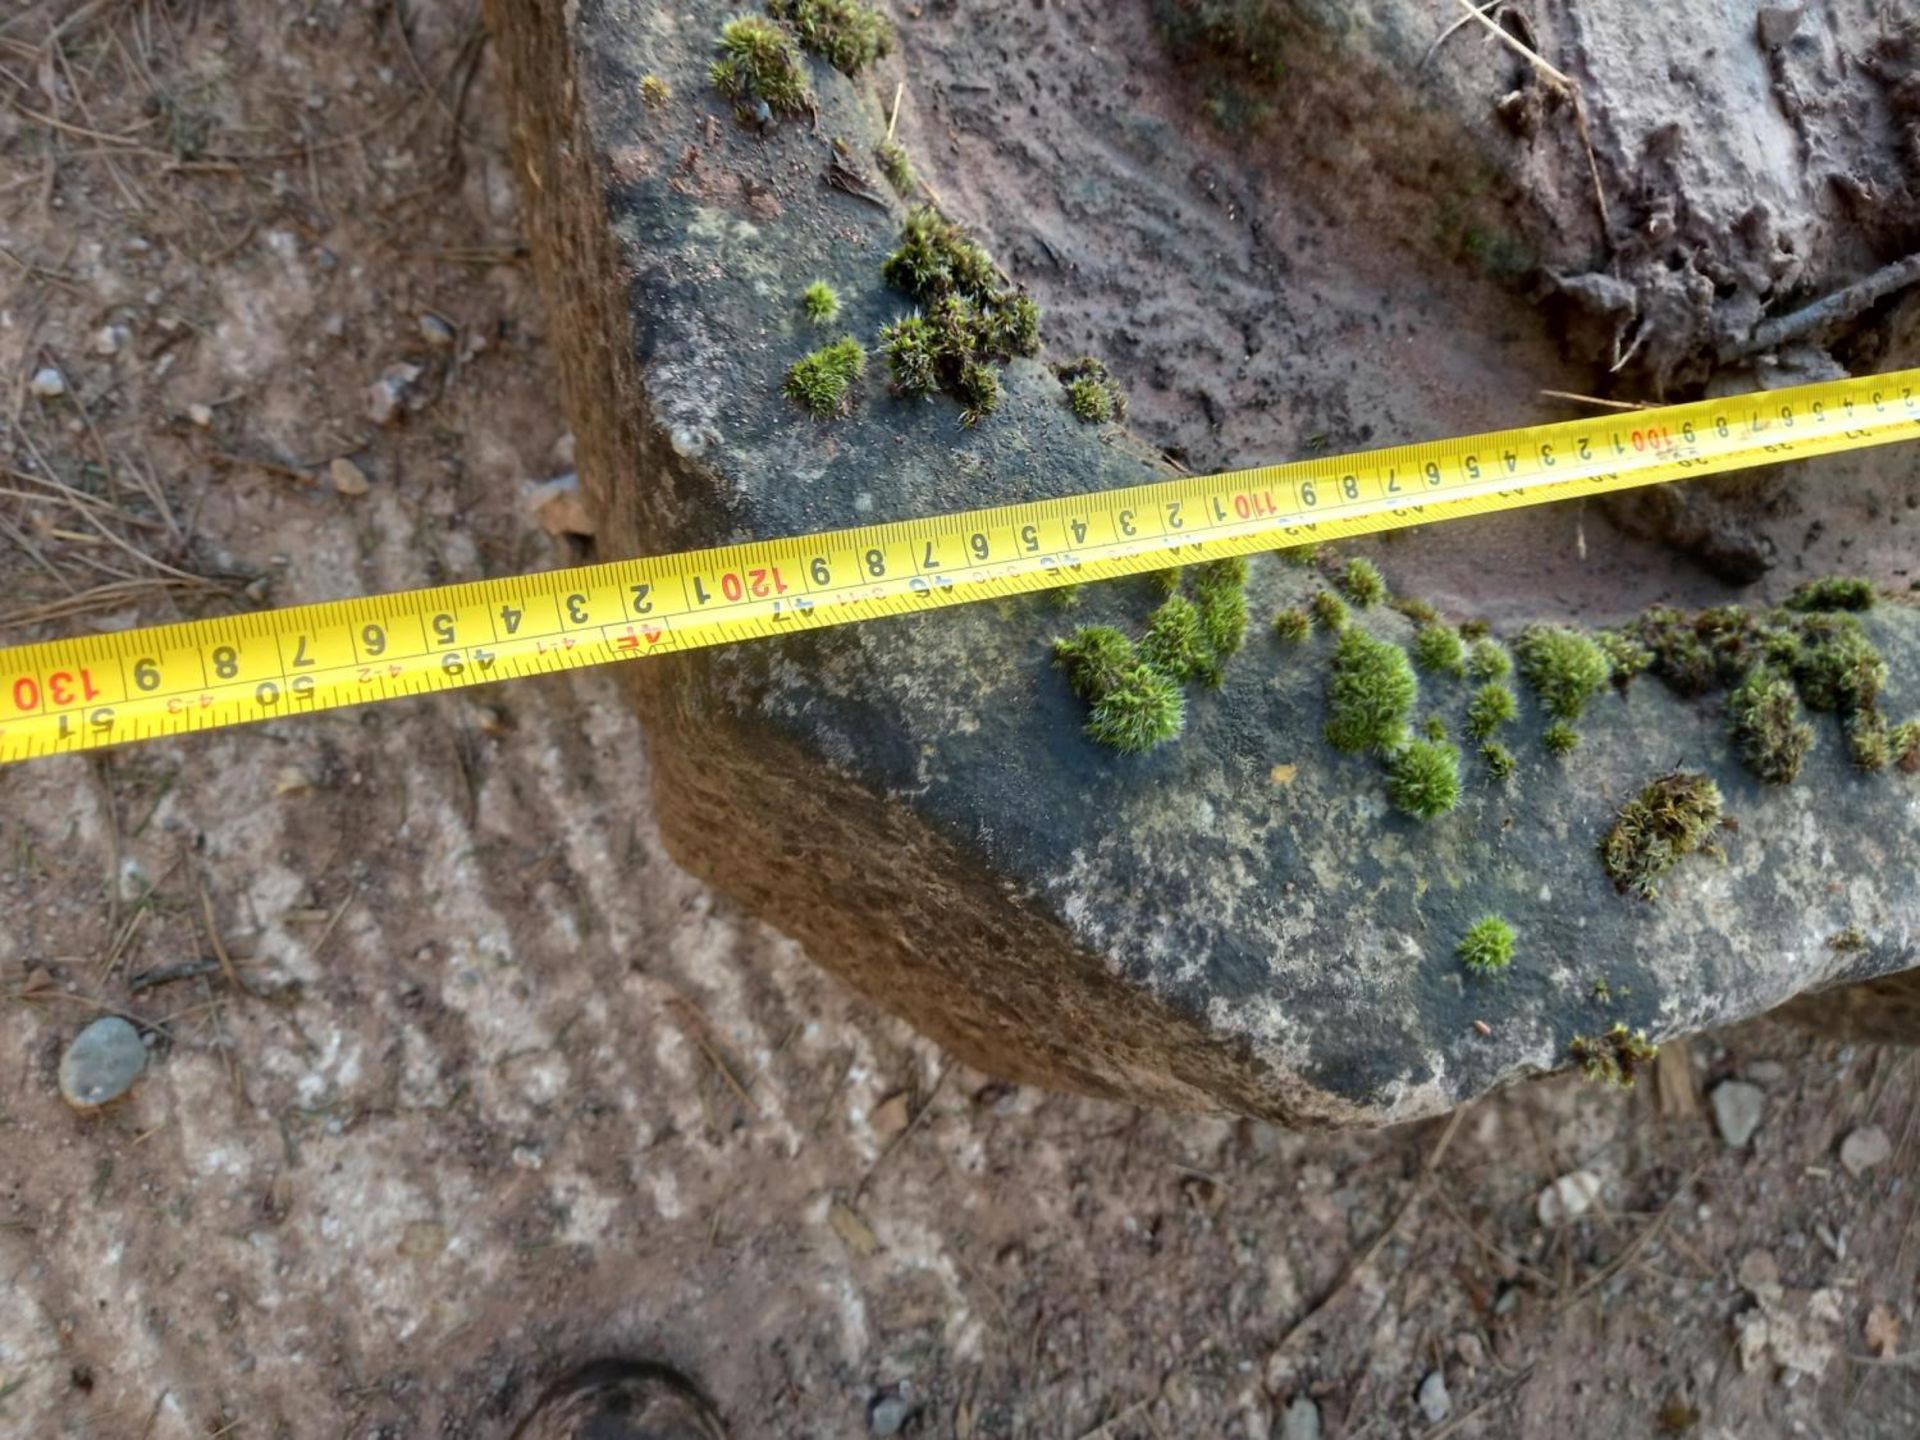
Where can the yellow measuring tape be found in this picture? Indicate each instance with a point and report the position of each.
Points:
(79, 694)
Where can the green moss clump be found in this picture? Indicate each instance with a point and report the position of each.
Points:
(821, 302)
(1674, 816)
(1850, 941)
(760, 61)
(1492, 706)
(1627, 656)
(913, 355)
(1487, 946)
(891, 156)
(1498, 760)
(1814, 652)
(1291, 626)
(1768, 732)
(1869, 740)
(1416, 610)
(1220, 591)
(1475, 630)
(1143, 709)
(1166, 582)
(1905, 741)
(1301, 556)
(1439, 648)
(1614, 1058)
(1836, 592)
(1564, 667)
(1094, 657)
(1695, 654)
(1434, 728)
(654, 92)
(1330, 610)
(969, 317)
(1423, 778)
(823, 381)
(1363, 583)
(845, 33)
(1560, 739)
(1176, 643)
(936, 258)
(978, 390)
(1093, 395)
(1487, 661)
(1371, 693)
(1837, 666)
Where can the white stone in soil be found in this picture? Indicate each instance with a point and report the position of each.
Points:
(1737, 1108)
(1435, 1403)
(1568, 1198)
(1864, 1148)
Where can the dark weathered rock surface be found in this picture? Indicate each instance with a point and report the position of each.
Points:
(1235, 921)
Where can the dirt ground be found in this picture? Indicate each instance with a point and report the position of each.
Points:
(456, 1079)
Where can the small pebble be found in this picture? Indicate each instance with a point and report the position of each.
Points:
(1737, 1108)
(201, 415)
(1301, 1420)
(436, 332)
(101, 1064)
(1567, 1198)
(388, 396)
(559, 506)
(1435, 1403)
(347, 477)
(888, 1415)
(111, 339)
(1864, 1148)
(291, 782)
(48, 383)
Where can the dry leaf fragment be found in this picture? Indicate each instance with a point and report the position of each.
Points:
(1883, 1330)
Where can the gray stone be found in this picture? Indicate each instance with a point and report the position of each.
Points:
(47, 383)
(101, 1064)
(1435, 1403)
(888, 1415)
(390, 396)
(1865, 1148)
(1300, 1420)
(915, 800)
(1737, 1108)
(436, 331)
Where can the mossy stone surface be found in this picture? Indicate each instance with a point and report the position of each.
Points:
(916, 799)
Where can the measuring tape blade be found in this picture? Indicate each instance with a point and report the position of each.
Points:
(92, 691)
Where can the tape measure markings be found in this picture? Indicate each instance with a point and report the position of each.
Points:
(69, 695)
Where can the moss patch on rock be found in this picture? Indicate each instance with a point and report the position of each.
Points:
(1487, 947)
(760, 61)
(1564, 668)
(1371, 692)
(1423, 778)
(847, 34)
(1093, 395)
(823, 381)
(1614, 1057)
(969, 318)
(1674, 817)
